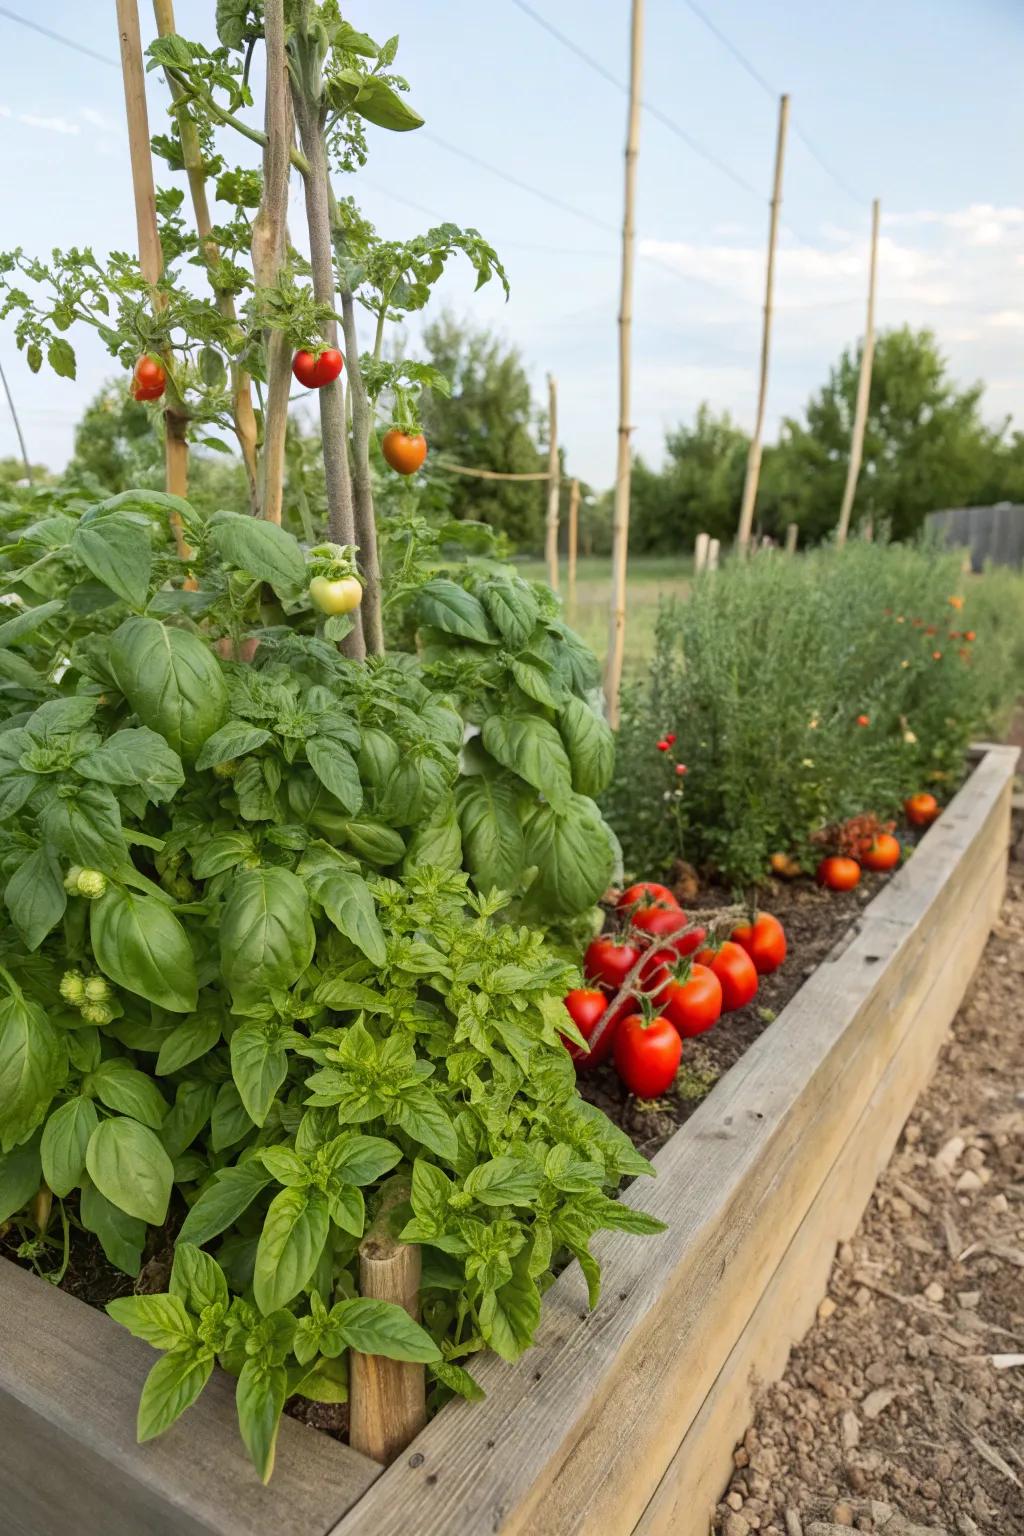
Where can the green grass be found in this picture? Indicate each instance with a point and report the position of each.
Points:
(649, 579)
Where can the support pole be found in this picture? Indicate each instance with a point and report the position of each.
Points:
(554, 487)
(388, 1397)
(574, 529)
(700, 552)
(17, 427)
(754, 453)
(620, 524)
(792, 534)
(269, 252)
(151, 257)
(714, 548)
(860, 415)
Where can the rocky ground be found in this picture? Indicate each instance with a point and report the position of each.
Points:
(902, 1412)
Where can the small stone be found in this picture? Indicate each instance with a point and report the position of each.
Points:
(1000, 1204)
(845, 1254)
(974, 1158)
(735, 1525)
(968, 1299)
(934, 1291)
(912, 1133)
(842, 1514)
(877, 1402)
(918, 1346)
(881, 1513)
(850, 1429)
(734, 1500)
(968, 1183)
(740, 1457)
(877, 1373)
(856, 1477)
(900, 1207)
(862, 1296)
(946, 1159)
(826, 1309)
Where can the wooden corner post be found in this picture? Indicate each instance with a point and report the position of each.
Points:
(554, 487)
(151, 256)
(860, 417)
(388, 1398)
(754, 452)
(574, 533)
(620, 522)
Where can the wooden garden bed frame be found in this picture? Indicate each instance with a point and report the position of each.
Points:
(620, 1420)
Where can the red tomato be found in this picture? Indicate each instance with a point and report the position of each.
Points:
(921, 809)
(647, 1056)
(315, 372)
(735, 970)
(838, 873)
(764, 941)
(644, 893)
(587, 1006)
(610, 960)
(660, 921)
(148, 379)
(404, 451)
(882, 853)
(694, 1002)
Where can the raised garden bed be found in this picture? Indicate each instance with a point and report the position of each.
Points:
(618, 1421)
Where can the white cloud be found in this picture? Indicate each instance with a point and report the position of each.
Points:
(49, 124)
(98, 120)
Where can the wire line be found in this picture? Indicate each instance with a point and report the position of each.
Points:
(57, 37)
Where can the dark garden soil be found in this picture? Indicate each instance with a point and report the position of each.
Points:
(902, 1411)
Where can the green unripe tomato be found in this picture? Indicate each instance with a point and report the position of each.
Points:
(92, 884)
(335, 596)
(72, 878)
(97, 990)
(72, 987)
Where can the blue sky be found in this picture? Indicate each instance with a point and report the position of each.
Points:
(917, 103)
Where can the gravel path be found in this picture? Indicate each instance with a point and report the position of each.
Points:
(902, 1412)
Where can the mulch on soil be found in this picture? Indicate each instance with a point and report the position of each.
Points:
(902, 1411)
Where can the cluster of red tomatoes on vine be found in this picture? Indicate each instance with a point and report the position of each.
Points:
(404, 451)
(659, 980)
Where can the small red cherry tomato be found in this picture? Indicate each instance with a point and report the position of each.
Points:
(921, 809)
(586, 1007)
(148, 379)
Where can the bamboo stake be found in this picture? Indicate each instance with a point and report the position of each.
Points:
(574, 523)
(17, 427)
(151, 256)
(388, 1397)
(620, 524)
(700, 552)
(362, 484)
(792, 534)
(554, 486)
(487, 474)
(269, 250)
(860, 415)
(754, 453)
(241, 392)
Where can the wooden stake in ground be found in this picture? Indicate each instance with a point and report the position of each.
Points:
(860, 415)
(554, 487)
(700, 552)
(269, 250)
(754, 453)
(574, 529)
(792, 534)
(620, 523)
(387, 1397)
(151, 256)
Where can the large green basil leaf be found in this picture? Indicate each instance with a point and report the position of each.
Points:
(119, 1085)
(336, 769)
(383, 1328)
(33, 1067)
(414, 788)
(259, 1065)
(574, 660)
(590, 744)
(159, 1320)
(574, 857)
(530, 747)
(374, 841)
(378, 758)
(26, 623)
(505, 1181)
(85, 825)
(118, 552)
(230, 1120)
(129, 1166)
(236, 739)
(290, 1245)
(192, 1038)
(141, 945)
(492, 837)
(259, 1401)
(121, 1236)
(139, 757)
(266, 933)
(511, 608)
(35, 896)
(172, 1385)
(538, 680)
(65, 1137)
(222, 1201)
(264, 549)
(437, 842)
(346, 899)
(172, 681)
(509, 1316)
(192, 1108)
(20, 1174)
(448, 607)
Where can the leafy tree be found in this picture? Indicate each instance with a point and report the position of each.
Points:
(925, 445)
(489, 423)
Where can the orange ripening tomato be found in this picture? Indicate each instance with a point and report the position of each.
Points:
(404, 451)
(148, 379)
(882, 853)
(764, 941)
(838, 873)
(736, 972)
(784, 865)
(921, 809)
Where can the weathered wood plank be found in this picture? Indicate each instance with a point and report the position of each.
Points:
(69, 1386)
(684, 1502)
(556, 1448)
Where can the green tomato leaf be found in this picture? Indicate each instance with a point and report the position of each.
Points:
(128, 1165)
(142, 946)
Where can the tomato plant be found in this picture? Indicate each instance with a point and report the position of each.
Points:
(734, 970)
(764, 941)
(838, 873)
(647, 1055)
(693, 1000)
